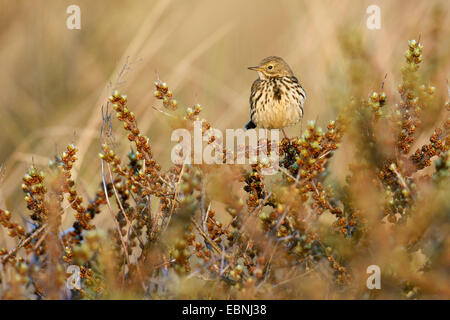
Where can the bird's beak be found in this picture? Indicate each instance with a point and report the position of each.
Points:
(256, 68)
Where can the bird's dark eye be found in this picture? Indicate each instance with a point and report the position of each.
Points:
(270, 67)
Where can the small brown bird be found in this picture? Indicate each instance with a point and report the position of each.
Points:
(276, 98)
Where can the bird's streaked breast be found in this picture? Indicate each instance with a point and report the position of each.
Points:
(277, 102)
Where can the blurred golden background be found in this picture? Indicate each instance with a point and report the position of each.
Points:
(55, 80)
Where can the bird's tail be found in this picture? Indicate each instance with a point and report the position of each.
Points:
(250, 125)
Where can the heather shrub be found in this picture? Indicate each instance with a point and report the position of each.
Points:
(183, 231)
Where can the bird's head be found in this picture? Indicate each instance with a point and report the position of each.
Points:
(272, 67)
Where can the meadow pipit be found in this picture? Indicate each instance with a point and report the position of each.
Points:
(276, 98)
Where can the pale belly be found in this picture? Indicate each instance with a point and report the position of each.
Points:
(277, 115)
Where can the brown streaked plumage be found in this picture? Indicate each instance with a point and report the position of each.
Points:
(276, 98)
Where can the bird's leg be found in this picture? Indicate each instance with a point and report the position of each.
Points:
(284, 134)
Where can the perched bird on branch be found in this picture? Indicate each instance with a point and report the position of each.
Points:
(276, 98)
